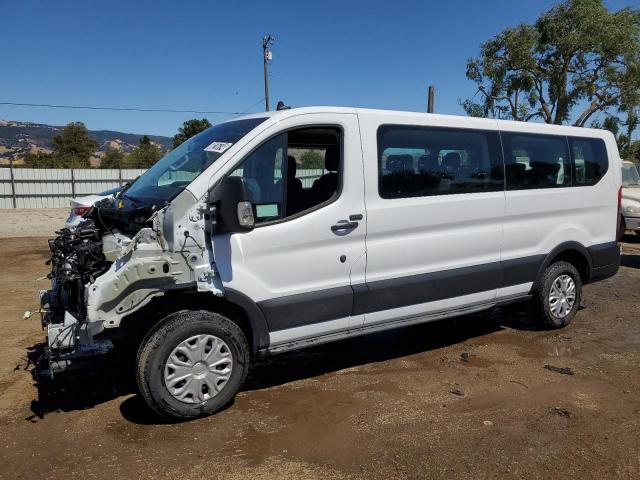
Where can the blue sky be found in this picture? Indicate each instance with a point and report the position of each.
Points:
(206, 55)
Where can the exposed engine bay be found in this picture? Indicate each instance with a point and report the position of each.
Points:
(81, 254)
(111, 265)
(76, 259)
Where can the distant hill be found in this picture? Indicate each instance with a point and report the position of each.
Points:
(19, 138)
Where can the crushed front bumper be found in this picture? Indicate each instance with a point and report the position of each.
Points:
(70, 343)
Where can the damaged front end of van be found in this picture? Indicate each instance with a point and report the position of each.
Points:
(100, 274)
(150, 240)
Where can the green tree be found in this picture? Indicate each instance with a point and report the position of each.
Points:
(72, 148)
(144, 155)
(40, 160)
(312, 159)
(189, 129)
(577, 59)
(112, 159)
(633, 153)
(624, 137)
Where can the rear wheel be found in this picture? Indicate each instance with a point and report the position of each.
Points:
(192, 364)
(557, 298)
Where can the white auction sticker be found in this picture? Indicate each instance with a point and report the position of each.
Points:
(218, 147)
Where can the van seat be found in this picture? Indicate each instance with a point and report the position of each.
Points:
(325, 186)
(428, 164)
(399, 163)
(543, 173)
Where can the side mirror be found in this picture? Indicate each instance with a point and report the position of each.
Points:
(234, 209)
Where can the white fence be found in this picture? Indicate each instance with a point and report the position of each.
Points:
(54, 187)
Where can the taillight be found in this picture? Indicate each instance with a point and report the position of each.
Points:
(618, 232)
(81, 211)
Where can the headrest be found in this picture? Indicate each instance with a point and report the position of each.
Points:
(452, 160)
(332, 158)
(516, 166)
(399, 163)
(592, 170)
(548, 168)
(292, 166)
(428, 163)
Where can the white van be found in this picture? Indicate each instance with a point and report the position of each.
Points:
(630, 206)
(286, 229)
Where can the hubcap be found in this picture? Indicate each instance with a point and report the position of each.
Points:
(198, 368)
(562, 296)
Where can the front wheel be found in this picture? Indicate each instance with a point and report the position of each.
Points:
(192, 364)
(557, 297)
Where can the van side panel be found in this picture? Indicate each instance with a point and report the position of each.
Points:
(538, 220)
(426, 249)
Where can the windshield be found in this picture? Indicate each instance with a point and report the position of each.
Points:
(173, 172)
(630, 176)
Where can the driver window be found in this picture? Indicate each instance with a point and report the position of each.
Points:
(262, 172)
(293, 172)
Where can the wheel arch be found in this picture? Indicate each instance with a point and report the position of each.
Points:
(234, 305)
(573, 252)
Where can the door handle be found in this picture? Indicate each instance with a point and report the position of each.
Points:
(343, 225)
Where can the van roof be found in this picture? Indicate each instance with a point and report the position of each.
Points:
(407, 116)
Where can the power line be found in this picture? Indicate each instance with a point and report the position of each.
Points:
(253, 106)
(121, 109)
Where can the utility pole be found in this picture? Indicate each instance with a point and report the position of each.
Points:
(266, 56)
(430, 98)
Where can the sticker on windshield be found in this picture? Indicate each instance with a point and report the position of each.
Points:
(218, 147)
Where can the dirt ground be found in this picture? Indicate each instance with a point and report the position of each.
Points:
(469, 398)
(31, 222)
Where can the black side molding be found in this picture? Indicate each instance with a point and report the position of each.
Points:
(256, 318)
(605, 254)
(602, 259)
(605, 259)
(307, 308)
(290, 311)
(426, 287)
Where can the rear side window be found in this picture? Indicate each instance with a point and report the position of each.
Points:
(423, 161)
(536, 161)
(589, 159)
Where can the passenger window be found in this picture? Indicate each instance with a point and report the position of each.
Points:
(536, 161)
(590, 160)
(293, 172)
(422, 161)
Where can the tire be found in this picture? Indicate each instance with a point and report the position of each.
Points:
(560, 315)
(162, 362)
